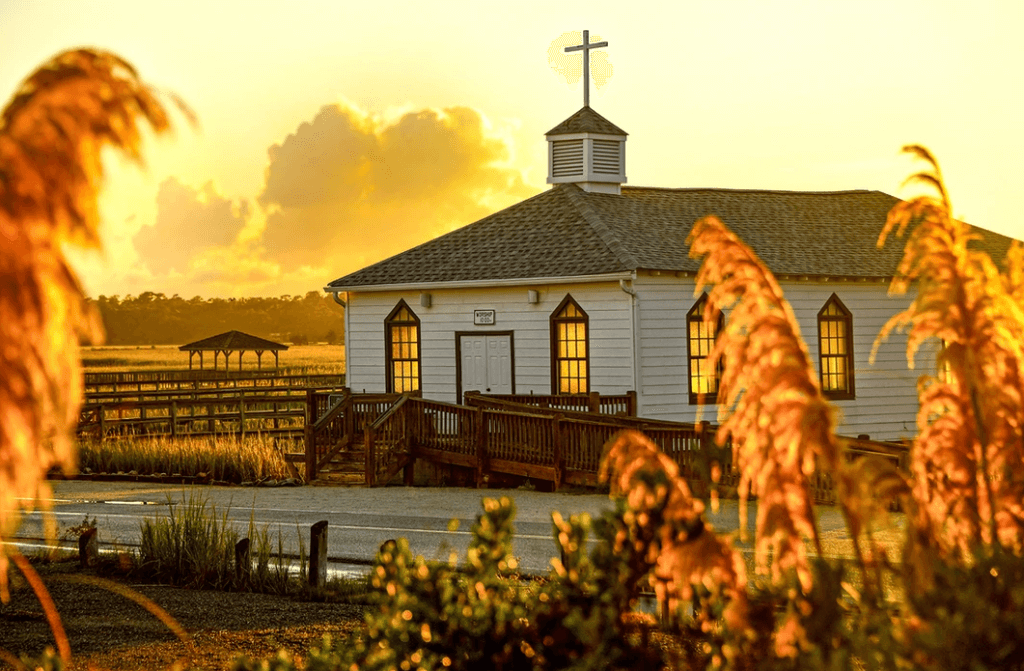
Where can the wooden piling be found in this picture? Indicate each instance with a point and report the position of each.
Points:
(88, 547)
(243, 562)
(318, 554)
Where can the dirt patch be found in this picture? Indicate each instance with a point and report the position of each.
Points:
(108, 631)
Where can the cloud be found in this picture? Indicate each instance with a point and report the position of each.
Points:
(342, 191)
(188, 222)
(348, 188)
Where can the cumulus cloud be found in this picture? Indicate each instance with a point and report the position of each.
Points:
(188, 222)
(344, 190)
(348, 188)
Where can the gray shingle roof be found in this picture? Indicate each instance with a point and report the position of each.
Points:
(567, 232)
(234, 341)
(586, 121)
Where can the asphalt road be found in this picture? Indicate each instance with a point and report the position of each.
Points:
(359, 519)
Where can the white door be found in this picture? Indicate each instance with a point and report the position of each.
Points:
(486, 363)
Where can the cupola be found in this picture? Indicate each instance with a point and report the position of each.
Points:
(587, 150)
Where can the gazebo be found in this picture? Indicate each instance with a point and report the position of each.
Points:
(230, 342)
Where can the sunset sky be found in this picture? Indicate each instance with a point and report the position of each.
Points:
(335, 134)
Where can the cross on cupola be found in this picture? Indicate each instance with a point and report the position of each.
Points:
(585, 48)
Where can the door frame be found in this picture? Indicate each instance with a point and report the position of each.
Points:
(458, 357)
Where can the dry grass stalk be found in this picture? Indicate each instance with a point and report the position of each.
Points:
(685, 550)
(771, 407)
(968, 457)
(51, 136)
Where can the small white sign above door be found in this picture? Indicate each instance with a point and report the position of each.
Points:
(483, 317)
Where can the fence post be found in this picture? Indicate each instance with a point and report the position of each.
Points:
(88, 547)
(243, 562)
(174, 419)
(350, 417)
(308, 440)
(318, 554)
(481, 447)
(556, 429)
(594, 402)
(371, 457)
(241, 410)
(631, 403)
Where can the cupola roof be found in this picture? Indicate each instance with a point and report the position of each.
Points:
(586, 120)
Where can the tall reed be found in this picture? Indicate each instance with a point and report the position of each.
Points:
(223, 458)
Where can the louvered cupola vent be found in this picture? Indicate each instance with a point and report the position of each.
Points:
(567, 158)
(607, 156)
(587, 150)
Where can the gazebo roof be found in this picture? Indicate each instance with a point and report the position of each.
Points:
(233, 341)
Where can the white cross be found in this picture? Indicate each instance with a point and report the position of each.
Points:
(585, 48)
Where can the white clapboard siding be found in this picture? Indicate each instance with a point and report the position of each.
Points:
(451, 311)
(885, 406)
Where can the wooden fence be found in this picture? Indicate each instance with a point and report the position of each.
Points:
(139, 381)
(606, 404)
(272, 410)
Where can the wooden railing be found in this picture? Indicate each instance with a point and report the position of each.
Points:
(614, 404)
(240, 414)
(333, 427)
(387, 442)
(186, 394)
(204, 379)
(499, 436)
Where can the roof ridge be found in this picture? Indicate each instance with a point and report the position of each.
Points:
(578, 198)
(729, 190)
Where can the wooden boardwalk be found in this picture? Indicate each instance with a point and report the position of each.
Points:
(388, 434)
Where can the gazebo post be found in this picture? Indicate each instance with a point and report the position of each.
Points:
(216, 356)
(190, 353)
(259, 359)
(275, 359)
(240, 353)
(200, 359)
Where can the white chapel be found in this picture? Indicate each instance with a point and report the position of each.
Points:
(589, 287)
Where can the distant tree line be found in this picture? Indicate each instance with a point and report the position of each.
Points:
(155, 319)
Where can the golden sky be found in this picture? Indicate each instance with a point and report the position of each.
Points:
(334, 134)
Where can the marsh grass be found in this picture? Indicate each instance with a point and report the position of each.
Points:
(194, 547)
(298, 360)
(228, 459)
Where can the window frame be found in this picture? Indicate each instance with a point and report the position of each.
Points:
(389, 373)
(846, 319)
(554, 321)
(696, 314)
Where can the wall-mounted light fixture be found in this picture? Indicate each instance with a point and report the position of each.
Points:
(425, 300)
(532, 296)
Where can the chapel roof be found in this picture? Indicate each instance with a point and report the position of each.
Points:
(569, 232)
(233, 341)
(586, 120)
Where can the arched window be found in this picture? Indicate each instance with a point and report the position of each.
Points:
(402, 349)
(700, 338)
(570, 349)
(835, 349)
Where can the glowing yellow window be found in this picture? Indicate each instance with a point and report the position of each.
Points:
(835, 349)
(402, 333)
(700, 338)
(570, 369)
